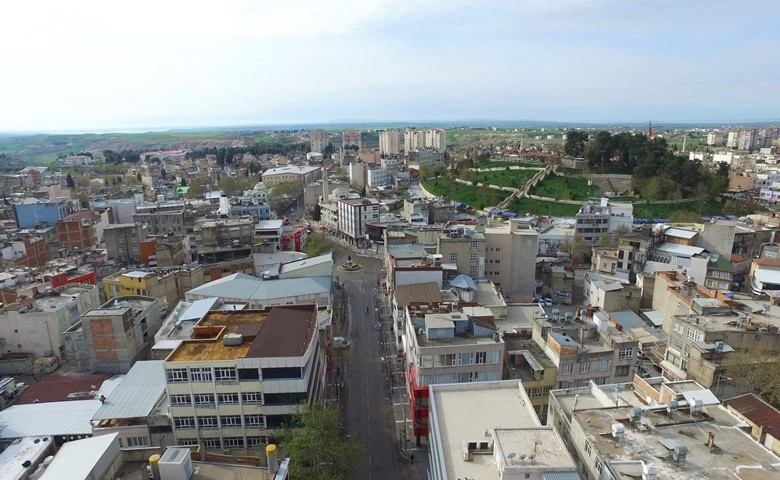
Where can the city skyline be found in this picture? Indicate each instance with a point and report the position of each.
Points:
(91, 66)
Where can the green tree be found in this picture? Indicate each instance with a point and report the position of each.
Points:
(316, 244)
(756, 370)
(315, 441)
(69, 181)
(575, 143)
(183, 182)
(163, 173)
(284, 194)
(316, 213)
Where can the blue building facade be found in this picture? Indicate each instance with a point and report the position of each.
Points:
(261, 211)
(32, 211)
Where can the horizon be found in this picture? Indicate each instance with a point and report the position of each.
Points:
(87, 66)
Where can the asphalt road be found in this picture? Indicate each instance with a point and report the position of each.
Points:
(367, 409)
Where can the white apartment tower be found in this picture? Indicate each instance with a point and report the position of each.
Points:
(436, 139)
(413, 140)
(319, 139)
(389, 142)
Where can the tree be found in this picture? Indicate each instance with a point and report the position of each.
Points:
(315, 441)
(283, 194)
(138, 176)
(577, 247)
(163, 173)
(183, 182)
(755, 370)
(69, 181)
(316, 213)
(316, 244)
(575, 143)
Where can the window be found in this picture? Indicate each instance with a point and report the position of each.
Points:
(474, 244)
(566, 368)
(184, 422)
(200, 374)
(176, 375)
(203, 399)
(209, 421)
(180, 399)
(248, 374)
(253, 420)
(187, 442)
(465, 358)
(255, 441)
(473, 270)
(228, 398)
(136, 442)
(498, 249)
(224, 373)
(695, 335)
(234, 442)
(588, 449)
(453, 257)
(584, 367)
(622, 370)
(481, 358)
(212, 443)
(678, 327)
(474, 256)
(231, 420)
(598, 465)
(251, 397)
(626, 353)
(494, 356)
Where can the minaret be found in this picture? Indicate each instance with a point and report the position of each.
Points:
(325, 191)
(650, 130)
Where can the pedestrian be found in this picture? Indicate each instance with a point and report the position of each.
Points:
(411, 459)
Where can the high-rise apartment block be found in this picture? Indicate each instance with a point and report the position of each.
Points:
(389, 142)
(351, 139)
(319, 139)
(434, 138)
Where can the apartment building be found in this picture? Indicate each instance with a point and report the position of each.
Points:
(510, 258)
(413, 140)
(112, 337)
(171, 251)
(218, 240)
(77, 231)
(36, 325)
(488, 431)
(446, 346)
(461, 245)
(351, 139)
(123, 242)
(353, 215)
(612, 434)
(167, 285)
(31, 211)
(526, 361)
(241, 376)
(436, 139)
(29, 251)
(593, 220)
(319, 139)
(161, 218)
(704, 326)
(389, 142)
(376, 177)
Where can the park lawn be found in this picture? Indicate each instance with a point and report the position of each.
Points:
(565, 188)
(500, 164)
(540, 207)
(503, 178)
(477, 197)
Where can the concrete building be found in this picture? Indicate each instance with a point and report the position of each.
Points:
(376, 177)
(436, 138)
(411, 264)
(357, 174)
(136, 411)
(353, 215)
(269, 232)
(78, 231)
(112, 337)
(488, 431)
(524, 360)
(219, 240)
(461, 245)
(413, 140)
(161, 218)
(510, 259)
(36, 325)
(319, 139)
(242, 375)
(610, 435)
(123, 242)
(593, 220)
(763, 419)
(610, 294)
(172, 251)
(168, 286)
(715, 139)
(291, 173)
(389, 142)
(31, 211)
(351, 139)
(426, 157)
(704, 326)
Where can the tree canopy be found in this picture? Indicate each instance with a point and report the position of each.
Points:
(315, 441)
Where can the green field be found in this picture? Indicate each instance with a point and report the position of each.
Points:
(477, 197)
(500, 164)
(565, 188)
(503, 178)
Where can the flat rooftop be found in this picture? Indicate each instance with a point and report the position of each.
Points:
(465, 412)
(118, 304)
(284, 331)
(735, 456)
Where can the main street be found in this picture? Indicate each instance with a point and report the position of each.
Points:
(364, 397)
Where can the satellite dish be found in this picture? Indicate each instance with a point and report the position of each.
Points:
(522, 456)
(511, 455)
(531, 457)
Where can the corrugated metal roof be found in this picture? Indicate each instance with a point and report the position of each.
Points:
(677, 249)
(198, 309)
(247, 287)
(138, 393)
(464, 282)
(680, 233)
(48, 419)
(757, 411)
(560, 476)
(77, 459)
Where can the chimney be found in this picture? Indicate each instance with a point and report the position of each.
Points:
(710, 440)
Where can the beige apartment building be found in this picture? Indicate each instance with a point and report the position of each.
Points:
(241, 376)
(389, 142)
(123, 242)
(510, 258)
(462, 246)
(319, 139)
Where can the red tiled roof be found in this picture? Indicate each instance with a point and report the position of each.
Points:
(769, 262)
(757, 411)
(57, 386)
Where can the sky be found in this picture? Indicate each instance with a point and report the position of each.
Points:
(96, 65)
